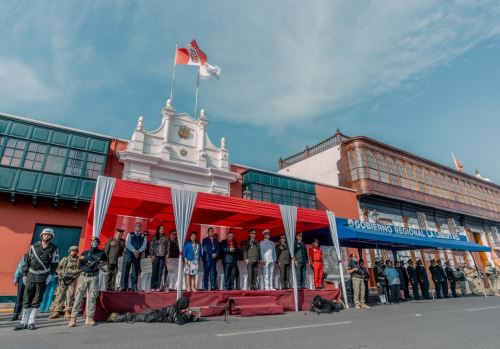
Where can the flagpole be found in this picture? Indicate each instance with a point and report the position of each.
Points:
(173, 74)
(196, 96)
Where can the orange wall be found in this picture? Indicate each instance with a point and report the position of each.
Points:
(237, 187)
(17, 224)
(114, 168)
(342, 202)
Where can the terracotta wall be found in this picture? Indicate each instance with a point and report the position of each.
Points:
(343, 202)
(17, 224)
(114, 168)
(237, 187)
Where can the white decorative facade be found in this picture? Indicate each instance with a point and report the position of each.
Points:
(178, 154)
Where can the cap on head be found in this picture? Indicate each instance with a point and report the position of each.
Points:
(47, 231)
(266, 232)
(73, 248)
(252, 232)
(121, 231)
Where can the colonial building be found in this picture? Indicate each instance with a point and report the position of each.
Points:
(179, 154)
(47, 178)
(400, 188)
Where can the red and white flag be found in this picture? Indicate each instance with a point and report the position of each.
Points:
(458, 164)
(191, 55)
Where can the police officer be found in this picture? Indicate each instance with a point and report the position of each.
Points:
(38, 271)
(67, 272)
(284, 260)
(251, 255)
(357, 282)
(301, 259)
(444, 279)
(378, 270)
(450, 274)
(423, 280)
(412, 275)
(88, 282)
(114, 249)
(436, 278)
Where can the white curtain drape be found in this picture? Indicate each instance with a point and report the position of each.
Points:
(183, 203)
(335, 238)
(103, 193)
(289, 217)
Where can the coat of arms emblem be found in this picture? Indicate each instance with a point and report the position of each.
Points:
(184, 132)
(183, 152)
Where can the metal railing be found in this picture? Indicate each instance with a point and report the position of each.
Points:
(328, 143)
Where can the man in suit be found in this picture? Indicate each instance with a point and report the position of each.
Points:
(412, 275)
(422, 278)
(301, 260)
(135, 245)
(251, 255)
(229, 249)
(444, 279)
(450, 274)
(211, 249)
(436, 278)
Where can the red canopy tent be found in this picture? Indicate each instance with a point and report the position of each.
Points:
(117, 197)
(146, 200)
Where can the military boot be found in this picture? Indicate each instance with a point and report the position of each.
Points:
(54, 315)
(90, 321)
(72, 322)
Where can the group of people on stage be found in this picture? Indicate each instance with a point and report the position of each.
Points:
(78, 275)
(254, 253)
(395, 278)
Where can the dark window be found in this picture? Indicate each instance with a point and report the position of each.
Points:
(94, 165)
(35, 156)
(13, 153)
(74, 166)
(55, 160)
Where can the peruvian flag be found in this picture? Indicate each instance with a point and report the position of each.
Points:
(191, 55)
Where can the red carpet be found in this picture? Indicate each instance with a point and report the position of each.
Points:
(212, 302)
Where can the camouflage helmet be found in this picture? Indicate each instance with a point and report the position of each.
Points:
(73, 248)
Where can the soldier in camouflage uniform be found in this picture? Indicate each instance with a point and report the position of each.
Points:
(88, 282)
(67, 271)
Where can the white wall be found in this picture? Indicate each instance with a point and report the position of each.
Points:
(321, 167)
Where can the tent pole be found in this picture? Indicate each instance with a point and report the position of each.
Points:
(180, 279)
(335, 239)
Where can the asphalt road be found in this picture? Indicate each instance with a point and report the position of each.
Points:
(469, 322)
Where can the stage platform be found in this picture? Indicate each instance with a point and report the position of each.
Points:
(212, 303)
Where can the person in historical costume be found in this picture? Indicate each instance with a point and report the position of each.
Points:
(316, 261)
(38, 271)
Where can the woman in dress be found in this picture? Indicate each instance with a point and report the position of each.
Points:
(316, 262)
(192, 255)
(158, 250)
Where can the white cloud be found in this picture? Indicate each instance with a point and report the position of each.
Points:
(282, 62)
(21, 84)
(295, 63)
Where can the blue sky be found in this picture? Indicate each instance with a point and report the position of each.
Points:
(423, 76)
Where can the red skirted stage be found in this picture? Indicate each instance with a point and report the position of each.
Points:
(212, 302)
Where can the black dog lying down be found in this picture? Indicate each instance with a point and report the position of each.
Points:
(178, 313)
(321, 305)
